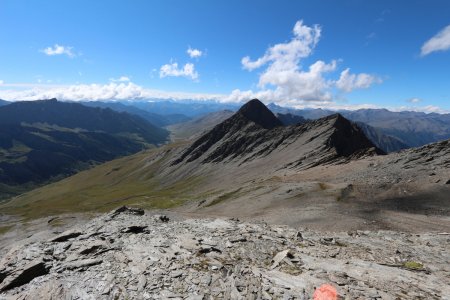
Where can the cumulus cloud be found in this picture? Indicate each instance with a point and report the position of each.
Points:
(111, 91)
(1, 82)
(194, 53)
(439, 42)
(283, 79)
(120, 79)
(173, 70)
(348, 82)
(287, 55)
(59, 50)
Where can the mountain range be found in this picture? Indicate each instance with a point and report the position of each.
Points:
(159, 120)
(321, 173)
(255, 132)
(42, 141)
(390, 131)
(410, 128)
(78, 135)
(199, 125)
(189, 108)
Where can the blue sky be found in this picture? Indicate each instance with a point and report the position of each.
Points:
(333, 54)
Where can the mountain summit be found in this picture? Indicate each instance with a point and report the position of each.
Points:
(257, 112)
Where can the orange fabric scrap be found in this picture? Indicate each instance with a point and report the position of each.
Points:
(325, 292)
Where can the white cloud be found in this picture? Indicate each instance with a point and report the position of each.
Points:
(414, 100)
(348, 82)
(121, 79)
(439, 42)
(283, 79)
(287, 55)
(59, 50)
(131, 91)
(172, 69)
(111, 91)
(194, 53)
(1, 82)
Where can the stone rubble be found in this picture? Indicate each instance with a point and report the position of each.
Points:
(129, 255)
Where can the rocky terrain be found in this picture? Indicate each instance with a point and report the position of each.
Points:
(128, 254)
(255, 132)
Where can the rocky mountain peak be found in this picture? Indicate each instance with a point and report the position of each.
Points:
(348, 139)
(254, 132)
(257, 112)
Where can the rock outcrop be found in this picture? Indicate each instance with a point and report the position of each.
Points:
(223, 259)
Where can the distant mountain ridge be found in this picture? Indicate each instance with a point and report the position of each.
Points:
(398, 128)
(385, 142)
(47, 140)
(290, 119)
(195, 127)
(410, 128)
(154, 118)
(3, 102)
(75, 115)
(191, 109)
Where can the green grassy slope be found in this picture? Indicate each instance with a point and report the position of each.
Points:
(130, 180)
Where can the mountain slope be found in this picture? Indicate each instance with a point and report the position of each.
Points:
(74, 115)
(385, 142)
(290, 119)
(254, 132)
(190, 108)
(306, 113)
(48, 140)
(3, 102)
(193, 128)
(156, 119)
(411, 128)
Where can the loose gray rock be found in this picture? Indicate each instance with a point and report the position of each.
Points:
(24, 275)
(134, 256)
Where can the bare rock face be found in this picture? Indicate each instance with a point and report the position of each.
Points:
(224, 259)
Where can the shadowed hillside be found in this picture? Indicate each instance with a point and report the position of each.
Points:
(48, 140)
